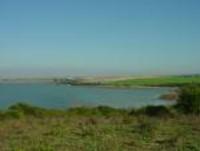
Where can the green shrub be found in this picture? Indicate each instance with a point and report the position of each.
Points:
(189, 99)
(11, 114)
(83, 111)
(2, 115)
(109, 111)
(157, 111)
(154, 111)
(14, 114)
(27, 109)
(96, 111)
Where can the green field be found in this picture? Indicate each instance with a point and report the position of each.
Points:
(156, 81)
(27, 128)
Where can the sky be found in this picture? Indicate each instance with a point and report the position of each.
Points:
(99, 37)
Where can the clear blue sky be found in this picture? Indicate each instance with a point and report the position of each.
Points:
(97, 37)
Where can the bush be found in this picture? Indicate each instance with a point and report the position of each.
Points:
(14, 114)
(154, 111)
(109, 111)
(96, 111)
(83, 111)
(27, 109)
(189, 99)
(11, 114)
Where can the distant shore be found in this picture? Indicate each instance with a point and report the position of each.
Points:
(114, 82)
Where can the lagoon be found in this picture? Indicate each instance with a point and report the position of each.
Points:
(65, 96)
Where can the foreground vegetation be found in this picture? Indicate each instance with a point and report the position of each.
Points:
(156, 81)
(152, 128)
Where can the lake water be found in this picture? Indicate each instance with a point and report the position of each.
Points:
(63, 96)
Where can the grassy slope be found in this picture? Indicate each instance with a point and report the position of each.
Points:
(97, 129)
(156, 81)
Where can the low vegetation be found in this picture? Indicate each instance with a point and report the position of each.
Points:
(152, 128)
(171, 81)
(189, 99)
(169, 96)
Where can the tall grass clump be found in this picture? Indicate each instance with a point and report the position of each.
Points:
(189, 99)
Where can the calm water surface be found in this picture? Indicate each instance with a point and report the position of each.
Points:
(62, 96)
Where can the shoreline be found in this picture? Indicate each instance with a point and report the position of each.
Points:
(87, 85)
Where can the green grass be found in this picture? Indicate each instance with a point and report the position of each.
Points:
(156, 81)
(27, 128)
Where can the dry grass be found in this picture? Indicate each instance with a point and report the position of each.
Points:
(99, 129)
